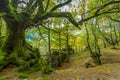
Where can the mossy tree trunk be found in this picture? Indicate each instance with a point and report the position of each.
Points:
(15, 38)
(95, 54)
(14, 50)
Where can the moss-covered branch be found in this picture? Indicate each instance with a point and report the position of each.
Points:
(60, 5)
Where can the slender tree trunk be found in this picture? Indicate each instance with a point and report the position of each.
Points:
(60, 55)
(49, 46)
(104, 43)
(116, 36)
(112, 36)
(88, 43)
(67, 46)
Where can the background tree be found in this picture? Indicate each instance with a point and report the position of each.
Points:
(110, 34)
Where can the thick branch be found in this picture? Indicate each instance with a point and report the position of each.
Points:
(105, 5)
(96, 15)
(98, 8)
(116, 20)
(60, 5)
(48, 28)
(66, 15)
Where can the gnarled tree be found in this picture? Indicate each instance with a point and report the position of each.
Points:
(20, 15)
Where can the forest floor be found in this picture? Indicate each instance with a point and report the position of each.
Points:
(75, 69)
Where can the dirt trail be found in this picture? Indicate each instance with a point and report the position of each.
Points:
(109, 70)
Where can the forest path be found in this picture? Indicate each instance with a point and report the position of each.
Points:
(75, 70)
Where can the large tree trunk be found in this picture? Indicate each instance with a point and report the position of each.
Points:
(15, 38)
(14, 50)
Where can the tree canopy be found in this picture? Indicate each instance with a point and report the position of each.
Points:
(34, 12)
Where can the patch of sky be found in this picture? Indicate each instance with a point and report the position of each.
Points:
(30, 37)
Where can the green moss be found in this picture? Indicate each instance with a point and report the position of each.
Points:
(24, 67)
(2, 79)
(37, 66)
(23, 75)
(43, 66)
(45, 79)
(46, 69)
(21, 69)
(14, 56)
